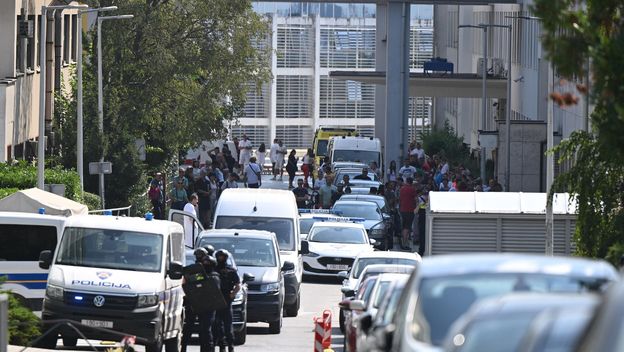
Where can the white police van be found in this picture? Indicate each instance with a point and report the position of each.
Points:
(22, 237)
(116, 276)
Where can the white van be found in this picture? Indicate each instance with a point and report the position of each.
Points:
(22, 237)
(117, 273)
(355, 149)
(273, 211)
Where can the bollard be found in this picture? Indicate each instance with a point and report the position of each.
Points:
(4, 322)
(327, 318)
(319, 334)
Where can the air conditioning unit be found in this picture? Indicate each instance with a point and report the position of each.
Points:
(498, 67)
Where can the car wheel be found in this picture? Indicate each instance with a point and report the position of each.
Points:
(155, 346)
(241, 337)
(48, 341)
(293, 309)
(174, 344)
(275, 327)
(69, 341)
(341, 321)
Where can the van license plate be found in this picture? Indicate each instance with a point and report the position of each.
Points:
(98, 323)
(337, 267)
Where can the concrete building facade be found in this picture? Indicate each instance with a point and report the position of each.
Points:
(310, 40)
(532, 80)
(20, 67)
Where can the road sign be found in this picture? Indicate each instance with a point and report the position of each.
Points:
(104, 167)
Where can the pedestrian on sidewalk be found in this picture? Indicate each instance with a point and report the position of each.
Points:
(230, 182)
(261, 155)
(423, 200)
(273, 157)
(178, 194)
(245, 152)
(253, 174)
(279, 162)
(392, 172)
(291, 168)
(407, 205)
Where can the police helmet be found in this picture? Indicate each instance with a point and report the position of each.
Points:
(222, 253)
(209, 260)
(200, 253)
(210, 249)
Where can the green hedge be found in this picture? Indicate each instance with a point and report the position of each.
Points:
(23, 324)
(23, 175)
(4, 192)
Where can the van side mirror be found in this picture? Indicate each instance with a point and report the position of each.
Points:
(247, 277)
(176, 270)
(45, 259)
(288, 266)
(343, 275)
(305, 247)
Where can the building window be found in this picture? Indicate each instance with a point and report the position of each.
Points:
(66, 38)
(346, 99)
(257, 103)
(19, 60)
(26, 29)
(256, 134)
(294, 97)
(74, 39)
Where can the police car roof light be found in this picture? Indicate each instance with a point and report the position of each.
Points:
(339, 219)
(149, 216)
(41, 211)
(108, 212)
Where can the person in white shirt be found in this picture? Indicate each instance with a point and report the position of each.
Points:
(418, 152)
(273, 157)
(245, 151)
(279, 159)
(445, 166)
(253, 174)
(407, 171)
(261, 155)
(190, 229)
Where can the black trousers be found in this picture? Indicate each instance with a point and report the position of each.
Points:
(422, 217)
(187, 331)
(205, 330)
(225, 331)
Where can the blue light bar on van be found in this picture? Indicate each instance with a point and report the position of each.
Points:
(338, 219)
(78, 298)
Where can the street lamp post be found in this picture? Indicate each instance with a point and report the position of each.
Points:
(79, 113)
(42, 88)
(484, 91)
(100, 91)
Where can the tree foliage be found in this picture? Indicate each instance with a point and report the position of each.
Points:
(23, 324)
(173, 75)
(445, 142)
(575, 33)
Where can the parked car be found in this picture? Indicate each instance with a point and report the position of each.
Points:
(455, 282)
(351, 278)
(500, 323)
(352, 308)
(558, 331)
(333, 246)
(372, 329)
(380, 200)
(257, 253)
(239, 305)
(377, 223)
(604, 333)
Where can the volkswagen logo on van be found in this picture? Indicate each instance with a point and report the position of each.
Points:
(98, 301)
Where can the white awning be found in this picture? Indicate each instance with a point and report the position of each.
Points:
(30, 200)
(499, 202)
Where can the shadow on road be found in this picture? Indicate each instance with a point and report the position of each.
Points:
(322, 280)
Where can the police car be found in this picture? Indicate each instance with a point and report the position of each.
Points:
(333, 245)
(307, 218)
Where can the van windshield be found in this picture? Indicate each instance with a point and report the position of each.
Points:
(246, 251)
(360, 156)
(111, 249)
(284, 229)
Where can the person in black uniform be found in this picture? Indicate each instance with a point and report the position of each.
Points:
(230, 285)
(206, 318)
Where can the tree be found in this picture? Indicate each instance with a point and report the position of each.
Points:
(172, 75)
(575, 33)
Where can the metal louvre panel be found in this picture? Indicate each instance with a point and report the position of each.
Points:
(295, 45)
(256, 134)
(421, 44)
(347, 47)
(346, 99)
(523, 235)
(257, 103)
(559, 243)
(462, 235)
(295, 136)
(294, 97)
